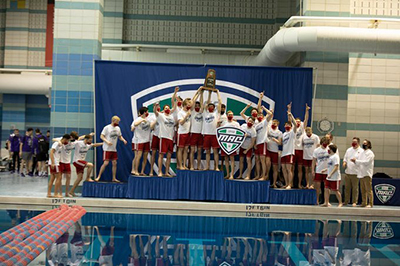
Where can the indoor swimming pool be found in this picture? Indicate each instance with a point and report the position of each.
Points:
(191, 239)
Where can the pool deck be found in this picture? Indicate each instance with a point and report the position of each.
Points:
(15, 190)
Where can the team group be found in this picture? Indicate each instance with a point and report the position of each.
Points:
(191, 125)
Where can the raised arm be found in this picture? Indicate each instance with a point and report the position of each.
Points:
(219, 102)
(259, 102)
(291, 119)
(173, 99)
(289, 111)
(269, 113)
(306, 115)
(244, 110)
(155, 109)
(209, 97)
(201, 101)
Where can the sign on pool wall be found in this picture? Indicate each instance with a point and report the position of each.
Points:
(121, 88)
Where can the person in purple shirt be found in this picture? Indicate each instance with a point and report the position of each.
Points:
(13, 147)
(25, 151)
(40, 151)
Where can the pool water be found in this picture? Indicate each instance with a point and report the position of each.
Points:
(148, 239)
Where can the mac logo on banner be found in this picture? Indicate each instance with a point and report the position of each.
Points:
(384, 192)
(383, 231)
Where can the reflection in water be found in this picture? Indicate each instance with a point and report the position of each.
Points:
(140, 240)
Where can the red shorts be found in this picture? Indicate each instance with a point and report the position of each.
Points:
(166, 145)
(288, 159)
(55, 169)
(183, 140)
(80, 166)
(248, 154)
(261, 149)
(65, 168)
(210, 141)
(320, 177)
(110, 156)
(332, 185)
(155, 143)
(196, 139)
(141, 146)
(298, 157)
(307, 163)
(273, 157)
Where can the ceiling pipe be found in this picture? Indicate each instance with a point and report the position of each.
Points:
(287, 41)
(25, 83)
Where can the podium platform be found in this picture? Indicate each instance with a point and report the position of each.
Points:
(199, 186)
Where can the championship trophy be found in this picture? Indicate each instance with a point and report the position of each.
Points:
(209, 82)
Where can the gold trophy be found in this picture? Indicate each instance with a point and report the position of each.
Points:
(209, 82)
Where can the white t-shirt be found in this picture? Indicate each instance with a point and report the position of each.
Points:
(351, 168)
(167, 124)
(176, 112)
(322, 156)
(298, 144)
(111, 134)
(66, 151)
(251, 133)
(332, 161)
(261, 130)
(288, 140)
(57, 153)
(210, 121)
(196, 123)
(81, 150)
(142, 131)
(309, 145)
(223, 118)
(185, 127)
(151, 118)
(277, 134)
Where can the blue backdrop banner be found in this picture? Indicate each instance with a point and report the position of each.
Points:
(121, 88)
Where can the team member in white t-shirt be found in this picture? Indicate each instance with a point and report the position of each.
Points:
(184, 119)
(246, 150)
(298, 146)
(143, 127)
(166, 122)
(231, 161)
(320, 160)
(274, 136)
(310, 143)
(54, 162)
(260, 148)
(184, 125)
(351, 180)
(288, 140)
(196, 138)
(81, 149)
(155, 141)
(333, 178)
(210, 120)
(110, 135)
